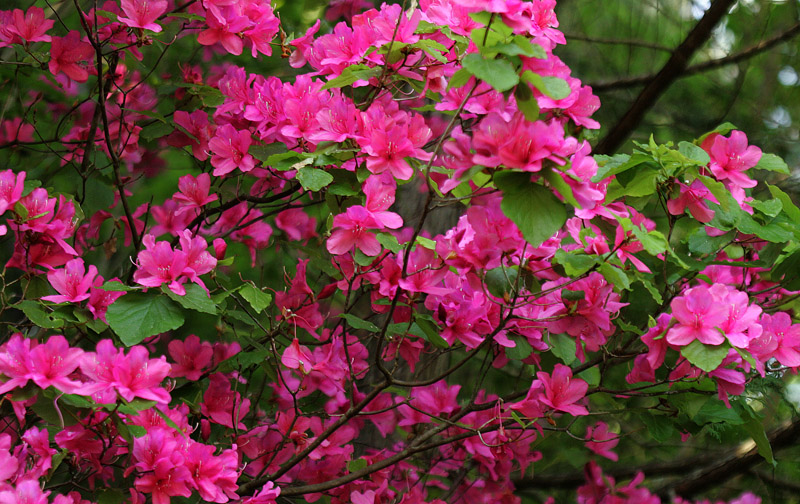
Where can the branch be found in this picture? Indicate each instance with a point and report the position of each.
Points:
(698, 473)
(705, 66)
(675, 66)
(733, 465)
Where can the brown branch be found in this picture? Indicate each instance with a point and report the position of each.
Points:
(610, 41)
(705, 66)
(698, 473)
(675, 66)
(733, 465)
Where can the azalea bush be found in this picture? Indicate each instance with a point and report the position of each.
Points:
(211, 291)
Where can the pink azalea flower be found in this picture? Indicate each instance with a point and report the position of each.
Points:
(196, 124)
(15, 357)
(602, 441)
(267, 495)
(695, 197)
(72, 282)
(101, 299)
(779, 338)
(198, 260)
(194, 192)
(143, 13)
(732, 157)
(26, 491)
(229, 148)
(298, 357)
(562, 391)
(165, 481)
(351, 230)
(11, 187)
(159, 264)
(67, 52)
(137, 375)
(222, 405)
(191, 357)
(699, 316)
(213, 476)
(31, 26)
(52, 362)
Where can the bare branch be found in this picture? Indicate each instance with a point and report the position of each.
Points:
(705, 66)
(675, 66)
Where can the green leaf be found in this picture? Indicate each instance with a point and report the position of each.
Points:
(352, 74)
(500, 281)
(575, 263)
(658, 426)
(356, 465)
(195, 299)
(389, 242)
(499, 74)
(257, 298)
(755, 427)
(553, 87)
(426, 242)
(522, 350)
(694, 153)
(313, 179)
(263, 152)
(526, 102)
(615, 276)
(426, 328)
(706, 357)
(789, 208)
(591, 376)
(533, 208)
(136, 316)
(563, 347)
(358, 323)
(653, 241)
(116, 286)
(771, 162)
(459, 78)
(715, 411)
(37, 314)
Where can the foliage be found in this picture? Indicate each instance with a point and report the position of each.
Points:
(210, 295)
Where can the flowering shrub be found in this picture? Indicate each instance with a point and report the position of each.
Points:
(267, 326)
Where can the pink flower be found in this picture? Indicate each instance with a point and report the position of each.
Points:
(72, 282)
(31, 26)
(11, 187)
(222, 405)
(695, 197)
(194, 192)
(352, 231)
(67, 52)
(298, 357)
(731, 157)
(601, 441)
(52, 362)
(143, 13)
(165, 481)
(562, 391)
(190, 356)
(699, 316)
(137, 375)
(101, 299)
(213, 476)
(27, 491)
(159, 264)
(229, 148)
(267, 495)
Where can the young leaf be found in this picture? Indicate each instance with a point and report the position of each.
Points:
(136, 316)
(534, 209)
(498, 73)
